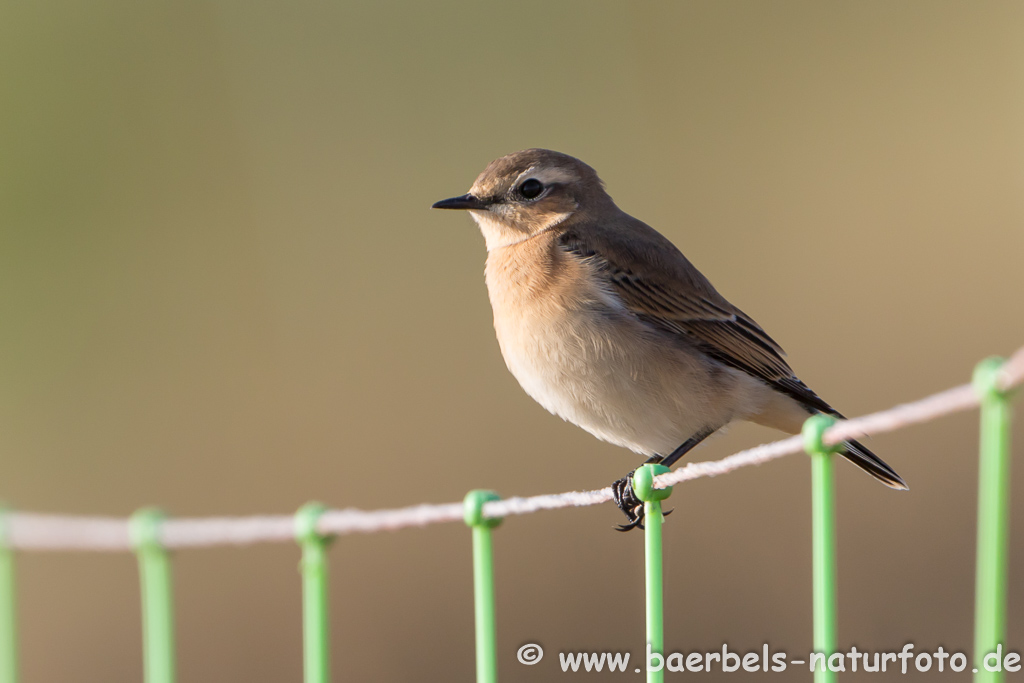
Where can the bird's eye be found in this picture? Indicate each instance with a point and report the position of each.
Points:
(531, 188)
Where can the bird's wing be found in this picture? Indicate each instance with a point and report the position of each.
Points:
(656, 283)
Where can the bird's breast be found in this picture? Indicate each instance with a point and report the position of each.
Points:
(577, 351)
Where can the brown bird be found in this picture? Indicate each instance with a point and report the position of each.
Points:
(606, 324)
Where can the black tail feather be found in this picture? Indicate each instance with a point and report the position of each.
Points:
(855, 452)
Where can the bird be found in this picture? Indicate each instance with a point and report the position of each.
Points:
(606, 324)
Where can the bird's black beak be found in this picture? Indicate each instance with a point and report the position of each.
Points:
(466, 201)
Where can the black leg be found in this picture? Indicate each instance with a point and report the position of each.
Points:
(622, 489)
(685, 448)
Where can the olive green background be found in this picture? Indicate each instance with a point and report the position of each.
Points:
(223, 292)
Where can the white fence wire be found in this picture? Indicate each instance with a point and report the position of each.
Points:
(32, 531)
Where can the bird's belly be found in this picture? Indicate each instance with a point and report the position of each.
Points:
(607, 374)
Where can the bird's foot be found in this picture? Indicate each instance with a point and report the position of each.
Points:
(626, 499)
(631, 506)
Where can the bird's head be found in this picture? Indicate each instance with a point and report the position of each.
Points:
(525, 193)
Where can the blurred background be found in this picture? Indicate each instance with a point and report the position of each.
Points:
(223, 292)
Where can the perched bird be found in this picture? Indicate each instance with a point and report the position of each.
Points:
(606, 324)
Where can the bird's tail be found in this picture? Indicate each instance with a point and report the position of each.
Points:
(855, 452)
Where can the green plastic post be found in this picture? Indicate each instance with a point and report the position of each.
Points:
(483, 583)
(993, 521)
(643, 487)
(157, 598)
(823, 525)
(315, 617)
(8, 615)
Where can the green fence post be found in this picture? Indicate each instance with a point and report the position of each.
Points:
(157, 597)
(483, 583)
(993, 521)
(315, 617)
(823, 526)
(643, 487)
(8, 613)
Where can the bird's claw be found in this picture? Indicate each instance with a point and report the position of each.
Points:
(631, 506)
(625, 498)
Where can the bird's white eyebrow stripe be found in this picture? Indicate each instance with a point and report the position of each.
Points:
(545, 175)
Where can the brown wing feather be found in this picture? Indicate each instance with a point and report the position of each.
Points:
(671, 295)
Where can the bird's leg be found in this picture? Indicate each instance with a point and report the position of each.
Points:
(622, 489)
